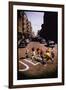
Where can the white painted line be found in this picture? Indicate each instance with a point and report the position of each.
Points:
(31, 62)
(27, 67)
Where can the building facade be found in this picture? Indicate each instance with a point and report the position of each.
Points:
(24, 25)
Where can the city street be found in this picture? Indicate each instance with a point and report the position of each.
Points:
(34, 69)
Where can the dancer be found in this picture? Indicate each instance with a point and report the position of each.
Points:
(33, 53)
(48, 55)
(27, 52)
(42, 58)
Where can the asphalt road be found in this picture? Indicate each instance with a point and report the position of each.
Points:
(28, 69)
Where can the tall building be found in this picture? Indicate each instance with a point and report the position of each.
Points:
(24, 25)
(49, 29)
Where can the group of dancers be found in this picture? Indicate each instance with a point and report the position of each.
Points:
(39, 55)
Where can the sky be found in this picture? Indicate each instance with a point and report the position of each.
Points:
(36, 19)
